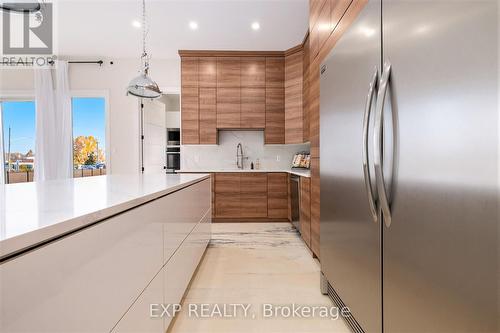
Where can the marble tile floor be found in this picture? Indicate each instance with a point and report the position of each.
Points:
(254, 264)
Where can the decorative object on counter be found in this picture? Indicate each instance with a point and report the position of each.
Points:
(257, 164)
(143, 86)
(301, 160)
(251, 166)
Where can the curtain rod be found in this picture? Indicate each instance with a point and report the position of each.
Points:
(97, 62)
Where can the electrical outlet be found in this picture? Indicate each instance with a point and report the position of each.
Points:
(278, 158)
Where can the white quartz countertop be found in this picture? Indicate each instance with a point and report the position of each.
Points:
(32, 213)
(298, 172)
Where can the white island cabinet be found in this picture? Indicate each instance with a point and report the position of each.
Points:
(99, 268)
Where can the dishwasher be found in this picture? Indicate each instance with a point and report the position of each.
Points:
(295, 200)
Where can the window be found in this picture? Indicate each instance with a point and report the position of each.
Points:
(89, 139)
(18, 140)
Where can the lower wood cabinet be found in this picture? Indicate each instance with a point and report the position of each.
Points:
(227, 195)
(315, 206)
(253, 195)
(277, 195)
(305, 209)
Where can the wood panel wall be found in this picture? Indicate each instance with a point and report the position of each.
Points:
(328, 19)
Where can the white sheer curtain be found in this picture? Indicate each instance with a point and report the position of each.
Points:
(53, 139)
(2, 164)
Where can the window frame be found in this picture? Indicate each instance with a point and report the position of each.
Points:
(29, 95)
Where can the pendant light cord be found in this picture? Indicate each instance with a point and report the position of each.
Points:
(144, 27)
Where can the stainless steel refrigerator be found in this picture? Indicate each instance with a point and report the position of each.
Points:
(409, 167)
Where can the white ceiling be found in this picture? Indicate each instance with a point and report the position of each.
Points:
(89, 28)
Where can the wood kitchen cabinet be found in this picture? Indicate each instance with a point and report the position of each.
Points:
(305, 209)
(275, 116)
(277, 195)
(228, 72)
(275, 100)
(253, 72)
(190, 115)
(228, 108)
(253, 195)
(315, 206)
(189, 101)
(208, 116)
(243, 90)
(253, 108)
(207, 72)
(256, 196)
(305, 91)
(294, 116)
(227, 195)
(189, 72)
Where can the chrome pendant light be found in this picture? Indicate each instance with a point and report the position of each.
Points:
(143, 86)
(21, 7)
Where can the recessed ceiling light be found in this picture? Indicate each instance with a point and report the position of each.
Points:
(255, 26)
(193, 25)
(136, 24)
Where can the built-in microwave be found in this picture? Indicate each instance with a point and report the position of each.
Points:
(173, 137)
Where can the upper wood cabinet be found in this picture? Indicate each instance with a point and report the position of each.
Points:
(253, 72)
(305, 91)
(228, 108)
(189, 72)
(207, 67)
(243, 90)
(190, 115)
(275, 101)
(253, 108)
(275, 72)
(228, 72)
(208, 115)
(275, 116)
(294, 115)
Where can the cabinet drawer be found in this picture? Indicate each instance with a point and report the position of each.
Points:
(253, 205)
(227, 205)
(227, 183)
(254, 183)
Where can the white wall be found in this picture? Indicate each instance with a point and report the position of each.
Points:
(123, 110)
(223, 156)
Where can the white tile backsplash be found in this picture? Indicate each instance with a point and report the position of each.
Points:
(223, 155)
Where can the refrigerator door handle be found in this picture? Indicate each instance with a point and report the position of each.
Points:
(378, 144)
(366, 123)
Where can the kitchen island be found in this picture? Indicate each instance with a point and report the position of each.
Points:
(92, 254)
